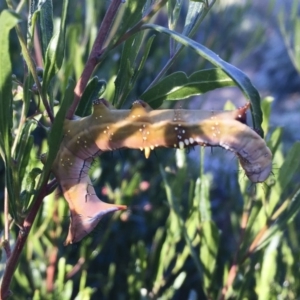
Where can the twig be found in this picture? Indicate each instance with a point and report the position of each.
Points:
(94, 55)
(76, 268)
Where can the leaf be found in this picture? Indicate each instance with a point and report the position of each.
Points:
(288, 169)
(8, 20)
(45, 24)
(55, 50)
(95, 88)
(241, 80)
(268, 269)
(56, 132)
(179, 86)
(132, 8)
(209, 245)
(129, 69)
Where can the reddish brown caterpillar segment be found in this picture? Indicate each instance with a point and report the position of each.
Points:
(108, 129)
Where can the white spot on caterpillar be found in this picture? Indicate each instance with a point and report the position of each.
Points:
(151, 147)
(144, 138)
(181, 145)
(191, 140)
(147, 132)
(179, 136)
(176, 128)
(183, 131)
(147, 152)
(186, 141)
(175, 146)
(104, 131)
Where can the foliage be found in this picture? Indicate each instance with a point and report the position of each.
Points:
(177, 241)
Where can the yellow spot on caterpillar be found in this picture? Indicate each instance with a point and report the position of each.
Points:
(147, 152)
(141, 148)
(104, 131)
(181, 145)
(175, 146)
(144, 138)
(152, 147)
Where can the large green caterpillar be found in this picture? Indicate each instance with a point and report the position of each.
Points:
(108, 129)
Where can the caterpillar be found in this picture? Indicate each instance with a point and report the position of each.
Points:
(108, 129)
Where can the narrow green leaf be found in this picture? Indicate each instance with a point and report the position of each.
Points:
(46, 25)
(24, 147)
(123, 83)
(7, 21)
(193, 18)
(288, 169)
(209, 245)
(297, 44)
(178, 86)
(268, 269)
(95, 88)
(56, 132)
(123, 23)
(55, 50)
(241, 80)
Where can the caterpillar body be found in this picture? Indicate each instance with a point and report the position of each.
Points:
(108, 129)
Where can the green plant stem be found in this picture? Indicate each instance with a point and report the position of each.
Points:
(13, 260)
(94, 55)
(6, 215)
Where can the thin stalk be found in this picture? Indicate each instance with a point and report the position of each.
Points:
(6, 215)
